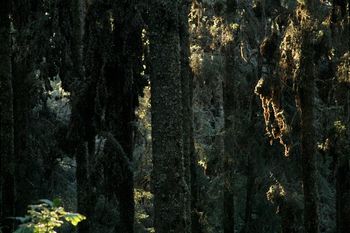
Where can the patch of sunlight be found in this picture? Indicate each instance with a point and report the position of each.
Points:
(276, 191)
(141, 194)
(203, 164)
(141, 216)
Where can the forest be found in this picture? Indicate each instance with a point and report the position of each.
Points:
(174, 116)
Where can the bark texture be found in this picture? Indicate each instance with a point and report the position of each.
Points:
(7, 191)
(186, 80)
(229, 113)
(167, 119)
(340, 26)
(343, 193)
(306, 100)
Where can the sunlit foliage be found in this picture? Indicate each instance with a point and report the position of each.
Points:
(47, 217)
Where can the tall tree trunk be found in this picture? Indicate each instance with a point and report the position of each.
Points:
(128, 52)
(305, 98)
(340, 153)
(106, 103)
(343, 193)
(190, 157)
(77, 46)
(83, 187)
(77, 85)
(22, 86)
(186, 77)
(7, 188)
(250, 191)
(229, 113)
(167, 136)
(340, 27)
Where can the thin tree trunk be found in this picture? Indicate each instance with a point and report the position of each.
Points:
(308, 145)
(123, 96)
(79, 99)
(250, 191)
(186, 103)
(229, 112)
(343, 193)
(306, 96)
(83, 187)
(7, 188)
(339, 150)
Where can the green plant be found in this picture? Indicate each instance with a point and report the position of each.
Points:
(47, 216)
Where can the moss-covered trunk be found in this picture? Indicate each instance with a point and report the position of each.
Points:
(167, 113)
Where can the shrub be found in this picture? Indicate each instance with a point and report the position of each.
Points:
(47, 216)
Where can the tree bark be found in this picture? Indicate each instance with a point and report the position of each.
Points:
(308, 145)
(306, 96)
(7, 188)
(167, 119)
(22, 95)
(340, 141)
(186, 77)
(80, 122)
(251, 176)
(343, 193)
(123, 96)
(229, 113)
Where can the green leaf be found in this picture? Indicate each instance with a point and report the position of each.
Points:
(57, 202)
(74, 218)
(48, 202)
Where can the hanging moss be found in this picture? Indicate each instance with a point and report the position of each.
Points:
(277, 128)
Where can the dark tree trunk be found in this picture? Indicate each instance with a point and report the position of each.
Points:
(81, 132)
(308, 145)
(343, 194)
(123, 89)
(340, 151)
(186, 77)
(305, 98)
(22, 87)
(25, 191)
(78, 16)
(191, 161)
(105, 97)
(229, 113)
(83, 186)
(167, 119)
(250, 191)
(287, 212)
(7, 188)
(340, 141)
